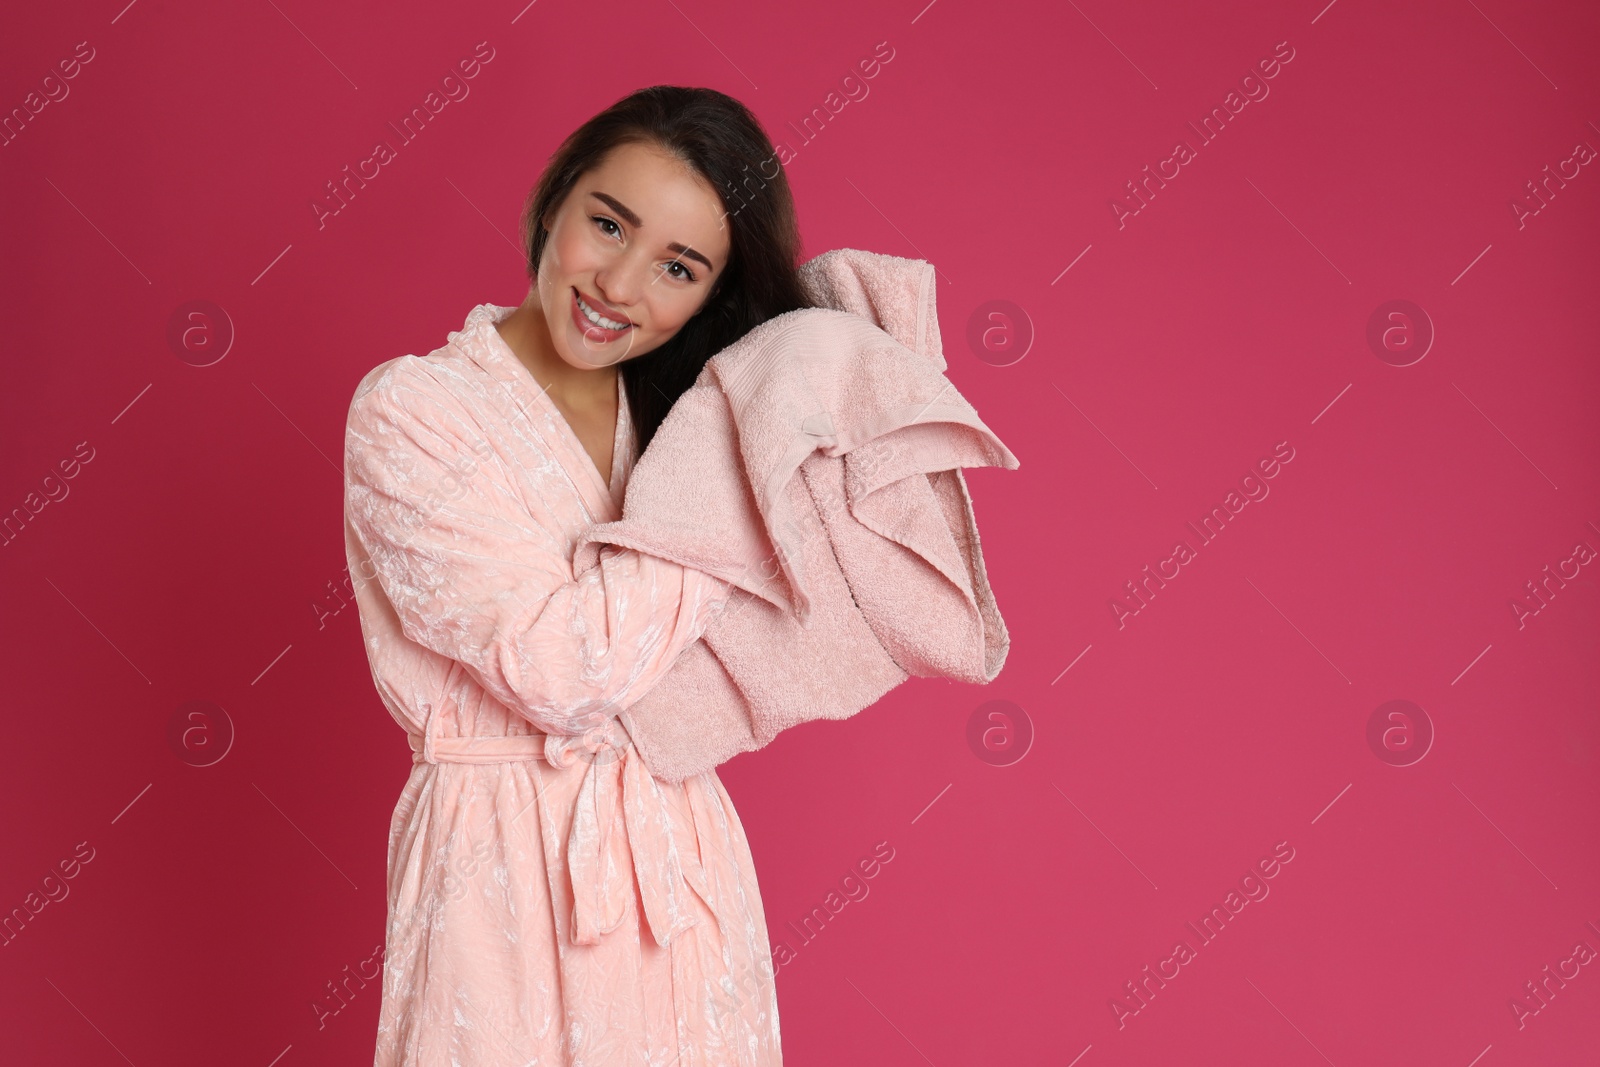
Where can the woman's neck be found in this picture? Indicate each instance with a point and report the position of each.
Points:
(526, 333)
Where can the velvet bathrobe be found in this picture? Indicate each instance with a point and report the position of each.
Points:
(550, 901)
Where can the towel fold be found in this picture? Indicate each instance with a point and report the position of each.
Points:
(815, 465)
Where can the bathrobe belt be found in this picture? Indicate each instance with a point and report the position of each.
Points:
(616, 774)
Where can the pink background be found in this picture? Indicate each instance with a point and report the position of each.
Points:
(1170, 753)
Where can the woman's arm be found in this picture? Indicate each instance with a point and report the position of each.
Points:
(472, 577)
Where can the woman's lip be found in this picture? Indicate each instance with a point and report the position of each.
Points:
(605, 309)
(588, 328)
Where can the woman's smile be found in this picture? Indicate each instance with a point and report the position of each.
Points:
(594, 324)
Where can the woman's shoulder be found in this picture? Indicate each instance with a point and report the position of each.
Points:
(406, 420)
(404, 389)
(445, 382)
(393, 377)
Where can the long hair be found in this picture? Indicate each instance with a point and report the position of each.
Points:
(720, 139)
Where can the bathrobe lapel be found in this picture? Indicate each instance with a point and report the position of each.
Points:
(484, 345)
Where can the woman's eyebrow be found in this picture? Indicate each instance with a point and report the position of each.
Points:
(620, 208)
(685, 250)
(633, 220)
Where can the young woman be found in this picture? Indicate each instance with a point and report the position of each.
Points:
(549, 901)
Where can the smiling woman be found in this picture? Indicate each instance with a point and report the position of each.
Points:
(637, 201)
(549, 901)
(621, 272)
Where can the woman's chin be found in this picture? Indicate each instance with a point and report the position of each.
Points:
(585, 359)
(595, 356)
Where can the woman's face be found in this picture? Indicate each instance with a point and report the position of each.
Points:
(640, 240)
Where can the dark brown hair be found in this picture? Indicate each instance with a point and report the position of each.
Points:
(719, 138)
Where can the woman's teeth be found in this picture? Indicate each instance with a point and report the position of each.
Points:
(595, 317)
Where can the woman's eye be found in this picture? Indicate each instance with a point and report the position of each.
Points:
(687, 273)
(604, 222)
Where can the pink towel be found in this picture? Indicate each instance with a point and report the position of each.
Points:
(815, 464)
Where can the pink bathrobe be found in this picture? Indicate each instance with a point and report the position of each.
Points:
(549, 900)
(515, 932)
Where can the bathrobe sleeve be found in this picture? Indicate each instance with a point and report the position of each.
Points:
(474, 575)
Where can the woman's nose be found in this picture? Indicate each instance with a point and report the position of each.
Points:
(621, 282)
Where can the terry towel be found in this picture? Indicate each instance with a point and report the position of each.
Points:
(815, 465)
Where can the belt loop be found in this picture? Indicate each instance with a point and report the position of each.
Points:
(430, 710)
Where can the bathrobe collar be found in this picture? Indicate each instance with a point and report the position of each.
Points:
(480, 342)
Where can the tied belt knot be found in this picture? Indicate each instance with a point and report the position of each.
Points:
(615, 775)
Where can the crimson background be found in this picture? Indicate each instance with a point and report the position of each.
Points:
(1228, 315)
